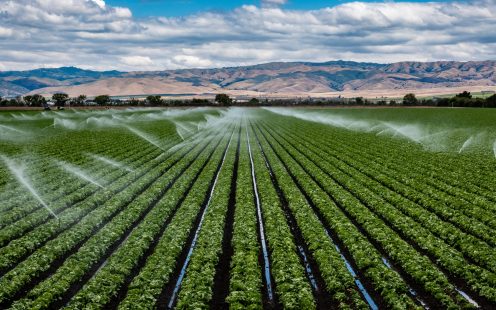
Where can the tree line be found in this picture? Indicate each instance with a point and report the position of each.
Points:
(464, 99)
(60, 100)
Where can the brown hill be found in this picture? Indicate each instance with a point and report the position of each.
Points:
(272, 79)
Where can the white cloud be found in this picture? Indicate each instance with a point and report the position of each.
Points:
(191, 61)
(136, 61)
(273, 2)
(5, 32)
(93, 34)
(100, 3)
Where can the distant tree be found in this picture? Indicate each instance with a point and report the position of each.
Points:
(34, 100)
(27, 99)
(410, 100)
(3, 102)
(465, 94)
(79, 100)
(223, 99)
(393, 102)
(491, 101)
(38, 100)
(254, 101)
(154, 100)
(359, 101)
(442, 102)
(134, 102)
(428, 102)
(19, 101)
(172, 102)
(199, 101)
(102, 100)
(465, 100)
(60, 99)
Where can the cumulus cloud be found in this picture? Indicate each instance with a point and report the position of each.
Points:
(273, 2)
(92, 34)
(6, 32)
(190, 61)
(100, 3)
(137, 61)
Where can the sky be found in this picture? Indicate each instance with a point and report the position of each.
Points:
(146, 8)
(171, 34)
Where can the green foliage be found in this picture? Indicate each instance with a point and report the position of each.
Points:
(102, 100)
(154, 100)
(355, 195)
(410, 100)
(79, 100)
(491, 101)
(246, 279)
(223, 100)
(60, 99)
(197, 101)
(35, 100)
(464, 94)
(254, 101)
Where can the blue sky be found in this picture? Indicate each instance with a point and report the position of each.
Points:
(144, 8)
(148, 35)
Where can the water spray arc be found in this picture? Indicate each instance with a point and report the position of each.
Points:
(79, 173)
(466, 144)
(12, 129)
(437, 137)
(110, 162)
(145, 137)
(183, 131)
(18, 171)
(494, 149)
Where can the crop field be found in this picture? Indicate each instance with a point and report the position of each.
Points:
(263, 208)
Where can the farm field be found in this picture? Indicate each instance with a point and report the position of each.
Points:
(248, 208)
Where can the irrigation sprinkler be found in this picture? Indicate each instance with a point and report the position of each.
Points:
(18, 171)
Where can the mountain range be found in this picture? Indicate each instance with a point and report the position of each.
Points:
(279, 79)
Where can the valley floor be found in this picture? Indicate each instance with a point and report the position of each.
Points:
(264, 208)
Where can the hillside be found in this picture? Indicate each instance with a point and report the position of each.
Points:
(275, 79)
(14, 83)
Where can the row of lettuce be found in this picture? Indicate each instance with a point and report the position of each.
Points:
(28, 233)
(435, 232)
(92, 226)
(378, 235)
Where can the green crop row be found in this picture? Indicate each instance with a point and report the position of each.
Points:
(338, 281)
(480, 280)
(34, 214)
(53, 176)
(196, 288)
(386, 282)
(43, 166)
(146, 288)
(245, 286)
(146, 206)
(291, 284)
(322, 215)
(40, 260)
(17, 248)
(470, 246)
(464, 211)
